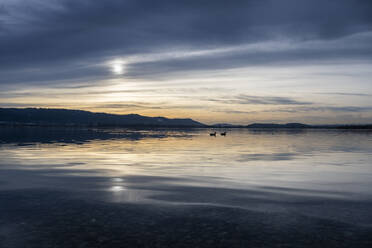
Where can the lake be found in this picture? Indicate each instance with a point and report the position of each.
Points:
(80, 187)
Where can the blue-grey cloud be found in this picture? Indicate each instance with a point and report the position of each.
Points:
(258, 100)
(302, 109)
(282, 53)
(40, 40)
(344, 94)
(327, 109)
(146, 106)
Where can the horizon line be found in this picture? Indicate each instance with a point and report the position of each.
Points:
(221, 124)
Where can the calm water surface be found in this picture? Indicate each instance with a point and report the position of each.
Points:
(317, 175)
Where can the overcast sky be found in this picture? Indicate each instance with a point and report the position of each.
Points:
(214, 61)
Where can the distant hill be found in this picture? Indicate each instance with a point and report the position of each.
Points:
(66, 117)
(303, 126)
(43, 116)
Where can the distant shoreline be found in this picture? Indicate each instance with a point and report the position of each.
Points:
(44, 117)
(138, 126)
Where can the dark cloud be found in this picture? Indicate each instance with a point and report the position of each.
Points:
(302, 109)
(50, 36)
(344, 94)
(52, 74)
(284, 54)
(17, 105)
(328, 109)
(147, 105)
(233, 111)
(259, 100)
(124, 106)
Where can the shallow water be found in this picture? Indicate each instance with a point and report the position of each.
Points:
(291, 179)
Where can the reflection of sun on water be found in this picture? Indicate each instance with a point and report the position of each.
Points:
(117, 188)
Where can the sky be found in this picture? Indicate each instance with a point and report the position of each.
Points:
(215, 61)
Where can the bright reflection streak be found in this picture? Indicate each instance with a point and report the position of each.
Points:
(117, 180)
(116, 188)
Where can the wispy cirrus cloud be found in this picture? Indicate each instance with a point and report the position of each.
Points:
(301, 109)
(344, 94)
(244, 99)
(326, 109)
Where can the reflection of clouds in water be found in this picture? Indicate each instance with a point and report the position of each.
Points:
(121, 183)
(287, 159)
(30, 136)
(266, 157)
(117, 180)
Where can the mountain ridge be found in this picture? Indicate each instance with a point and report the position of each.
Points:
(73, 117)
(51, 116)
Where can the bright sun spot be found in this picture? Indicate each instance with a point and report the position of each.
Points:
(117, 67)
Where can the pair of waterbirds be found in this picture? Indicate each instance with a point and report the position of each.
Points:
(215, 134)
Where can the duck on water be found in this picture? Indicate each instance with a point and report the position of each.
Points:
(215, 134)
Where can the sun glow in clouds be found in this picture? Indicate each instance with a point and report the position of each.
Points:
(117, 67)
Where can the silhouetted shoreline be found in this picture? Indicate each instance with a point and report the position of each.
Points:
(170, 127)
(78, 118)
(66, 117)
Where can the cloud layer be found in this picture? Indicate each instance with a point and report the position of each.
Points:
(71, 39)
